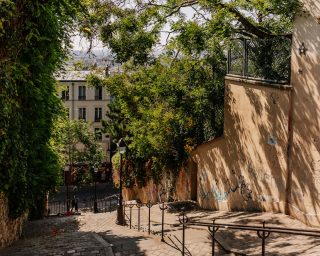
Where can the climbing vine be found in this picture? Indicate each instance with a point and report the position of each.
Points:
(34, 38)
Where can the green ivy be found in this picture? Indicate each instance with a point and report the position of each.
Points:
(34, 38)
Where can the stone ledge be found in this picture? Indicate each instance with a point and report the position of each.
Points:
(261, 82)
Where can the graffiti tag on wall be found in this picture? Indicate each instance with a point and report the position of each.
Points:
(261, 175)
(239, 185)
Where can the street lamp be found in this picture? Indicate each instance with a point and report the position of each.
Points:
(95, 204)
(120, 215)
(66, 177)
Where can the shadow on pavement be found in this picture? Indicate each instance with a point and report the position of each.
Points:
(63, 236)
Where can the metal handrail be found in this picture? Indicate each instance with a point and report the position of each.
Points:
(304, 232)
(263, 231)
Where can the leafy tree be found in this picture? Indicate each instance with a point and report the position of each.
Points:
(163, 111)
(132, 28)
(169, 98)
(79, 148)
(34, 39)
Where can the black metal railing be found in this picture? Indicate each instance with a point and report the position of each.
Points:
(107, 204)
(162, 206)
(60, 207)
(267, 59)
(138, 206)
(262, 232)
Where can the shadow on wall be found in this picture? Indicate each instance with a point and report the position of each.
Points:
(246, 168)
(305, 158)
(268, 158)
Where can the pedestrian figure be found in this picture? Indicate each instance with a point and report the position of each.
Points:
(73, 204)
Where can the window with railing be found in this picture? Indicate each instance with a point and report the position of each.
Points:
(98, 93)
(268, 59)
(65, 94)
(97, 114)
(82, 93)
(82, 114)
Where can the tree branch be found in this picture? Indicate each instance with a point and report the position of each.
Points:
(178, 7)
(249, 26)
(199, 13)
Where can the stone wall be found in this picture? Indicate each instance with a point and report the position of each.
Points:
(184, 189)
(10, 230)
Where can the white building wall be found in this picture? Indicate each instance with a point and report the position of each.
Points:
(90, 103)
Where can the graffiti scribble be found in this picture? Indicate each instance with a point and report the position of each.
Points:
(217, 194)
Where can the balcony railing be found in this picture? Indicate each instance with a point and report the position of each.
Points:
(267, 59)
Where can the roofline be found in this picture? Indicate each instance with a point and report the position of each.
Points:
(75, 80)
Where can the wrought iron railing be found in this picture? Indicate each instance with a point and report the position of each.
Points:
(60, 207)
(262, 232)
(268, 59)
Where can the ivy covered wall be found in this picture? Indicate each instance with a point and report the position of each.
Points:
(34, 38)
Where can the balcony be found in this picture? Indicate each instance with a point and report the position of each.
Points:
(262, 59)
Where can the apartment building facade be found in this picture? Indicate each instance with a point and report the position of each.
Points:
(86, 103)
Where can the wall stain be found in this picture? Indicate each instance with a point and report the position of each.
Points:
(274, 97)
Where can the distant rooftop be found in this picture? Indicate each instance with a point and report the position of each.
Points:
(81, 75)
(76, 75)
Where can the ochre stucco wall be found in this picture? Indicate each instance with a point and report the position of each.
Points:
(304, 200)
(246, 168)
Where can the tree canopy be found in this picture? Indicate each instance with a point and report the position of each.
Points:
(169, 97)
(164, 110)
(133, 28)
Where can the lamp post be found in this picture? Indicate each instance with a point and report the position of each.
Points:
(66, 177)
(120, 215)
(95, 204)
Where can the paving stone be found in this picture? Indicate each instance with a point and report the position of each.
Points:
(77, 239)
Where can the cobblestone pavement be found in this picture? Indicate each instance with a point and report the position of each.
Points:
(127, 241)
(97, 234)
(91, 234)
(54, 236)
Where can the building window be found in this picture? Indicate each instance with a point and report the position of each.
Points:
(65, 94)
(98, 93)
(97, 114)
(98, 134)
(82, 114)
(82, 93)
